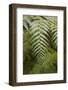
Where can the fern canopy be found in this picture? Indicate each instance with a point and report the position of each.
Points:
(39, 44)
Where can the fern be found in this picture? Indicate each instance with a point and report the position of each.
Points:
(46, 64)
(40, 44)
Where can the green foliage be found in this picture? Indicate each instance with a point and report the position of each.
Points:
(40, 44)
(46, 64)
